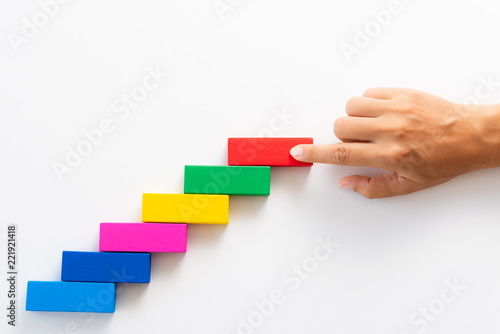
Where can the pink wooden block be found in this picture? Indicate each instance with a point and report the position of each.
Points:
(142, 237)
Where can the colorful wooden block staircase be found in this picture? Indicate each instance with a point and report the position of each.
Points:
(88, 279)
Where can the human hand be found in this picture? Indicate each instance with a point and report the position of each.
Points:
(421, 139)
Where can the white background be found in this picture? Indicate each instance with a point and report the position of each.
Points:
(227, 78)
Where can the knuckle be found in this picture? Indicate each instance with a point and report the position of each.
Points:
(400, 154)
(311, 153)
(370, 191)
(403, 129)
(368, 92)
(408, 106)
(413, 95)
(352, 104)
(339, 126)
(341, 155)
(369, 194)
(403, 104)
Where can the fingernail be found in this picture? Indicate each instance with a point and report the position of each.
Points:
(296, 151)
(346, 185)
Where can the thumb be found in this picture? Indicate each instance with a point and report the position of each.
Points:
(379, 186)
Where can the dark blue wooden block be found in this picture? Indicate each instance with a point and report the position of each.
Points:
(71, 297)
(106, 267)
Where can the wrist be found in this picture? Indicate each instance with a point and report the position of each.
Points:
(488, 125)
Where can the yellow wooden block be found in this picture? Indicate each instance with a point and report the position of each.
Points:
(185, 208)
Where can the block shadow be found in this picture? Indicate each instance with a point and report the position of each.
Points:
(289, 178)
(130, 293)
(245, 206)
(165, 264)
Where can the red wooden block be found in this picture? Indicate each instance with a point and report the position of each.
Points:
(274, 152)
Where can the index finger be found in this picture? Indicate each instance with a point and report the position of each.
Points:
(345, 154)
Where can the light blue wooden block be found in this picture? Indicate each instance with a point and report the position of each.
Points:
(71, 297)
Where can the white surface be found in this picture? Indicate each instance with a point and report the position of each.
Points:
(226, 78)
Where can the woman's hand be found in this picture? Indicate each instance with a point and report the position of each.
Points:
(421, 139)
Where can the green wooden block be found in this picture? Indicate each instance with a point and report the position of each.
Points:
(227, 180)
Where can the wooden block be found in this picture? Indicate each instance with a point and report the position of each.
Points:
(106, 267)
(229, 180)
(185, 208)
(139, 237)
(274, 152)
(71, 297)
